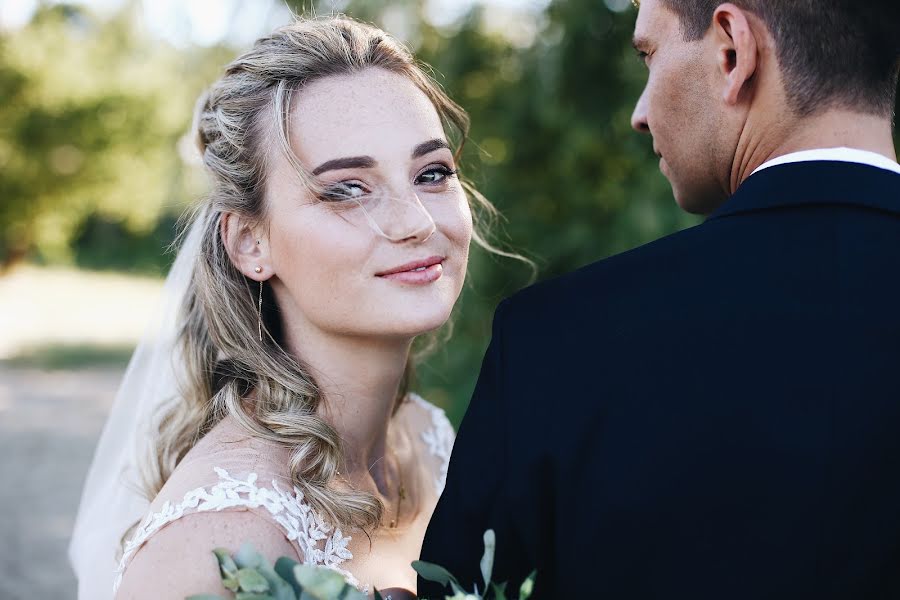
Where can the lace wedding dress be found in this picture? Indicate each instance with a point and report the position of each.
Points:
(228, 470)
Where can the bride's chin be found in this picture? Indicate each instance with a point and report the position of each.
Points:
(409, 332)
(429, 324)
(413, 321)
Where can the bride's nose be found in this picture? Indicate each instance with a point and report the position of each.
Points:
(408, 219)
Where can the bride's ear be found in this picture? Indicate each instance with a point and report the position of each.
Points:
(246, 247)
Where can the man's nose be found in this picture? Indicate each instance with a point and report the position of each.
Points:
(639, 116)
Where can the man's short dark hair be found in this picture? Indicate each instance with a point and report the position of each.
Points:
(834, 53)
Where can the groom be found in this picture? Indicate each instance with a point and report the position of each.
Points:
(715, 415)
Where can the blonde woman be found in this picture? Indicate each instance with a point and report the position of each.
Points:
(336, 232)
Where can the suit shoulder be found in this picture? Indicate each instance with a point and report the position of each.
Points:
(630, 273)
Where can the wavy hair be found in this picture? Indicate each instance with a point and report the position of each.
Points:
(228, 369)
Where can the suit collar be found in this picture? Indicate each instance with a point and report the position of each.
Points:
(841, 154)
(815, 183)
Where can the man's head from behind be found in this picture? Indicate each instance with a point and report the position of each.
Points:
(727, 79)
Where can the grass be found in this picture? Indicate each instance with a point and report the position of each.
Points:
(70, 356)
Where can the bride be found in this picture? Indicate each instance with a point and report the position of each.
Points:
(336, 232)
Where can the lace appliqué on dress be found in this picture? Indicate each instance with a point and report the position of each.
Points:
(439, 438)
(319, 543)
(302, 525)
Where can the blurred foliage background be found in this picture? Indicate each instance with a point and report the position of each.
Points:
(97, 165)
(96, 162)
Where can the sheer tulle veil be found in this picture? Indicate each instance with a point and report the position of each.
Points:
(111, 501)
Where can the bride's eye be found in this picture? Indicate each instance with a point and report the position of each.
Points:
(345, 190)
(435, 174)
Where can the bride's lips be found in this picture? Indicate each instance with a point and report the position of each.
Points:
(420, 271)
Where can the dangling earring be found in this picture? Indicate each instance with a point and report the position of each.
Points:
(259, 310)
(258, 269)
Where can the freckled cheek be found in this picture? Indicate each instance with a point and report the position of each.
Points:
(322, 264)
(455, 223)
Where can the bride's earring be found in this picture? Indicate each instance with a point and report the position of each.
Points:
(259, 306)
(258, 269)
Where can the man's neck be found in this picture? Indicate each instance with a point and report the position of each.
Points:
(831, 129)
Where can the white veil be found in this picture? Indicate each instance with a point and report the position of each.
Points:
(110, 501)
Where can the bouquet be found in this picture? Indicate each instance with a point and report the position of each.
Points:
(250, 577)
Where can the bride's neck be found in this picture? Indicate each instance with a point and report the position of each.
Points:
(359, 380)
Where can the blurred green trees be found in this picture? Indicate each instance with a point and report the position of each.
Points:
(91, 116)
(95, 147)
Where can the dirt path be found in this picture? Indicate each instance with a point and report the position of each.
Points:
(49, 424)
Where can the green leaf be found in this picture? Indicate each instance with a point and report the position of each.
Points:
(351, 593)
(231, 583)
(499, 591)
(284, 568)
(433, 572)
(279, 588)
(226, 564)
(458, 591)
(252, 581)
(247, 557)
(252, 596)
(321, 583)
(527, 586)
(205, 597)
(487, 561)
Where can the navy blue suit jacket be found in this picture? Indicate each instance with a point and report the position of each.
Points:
(713, 415)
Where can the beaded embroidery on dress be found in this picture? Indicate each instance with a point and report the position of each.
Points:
(319, 543)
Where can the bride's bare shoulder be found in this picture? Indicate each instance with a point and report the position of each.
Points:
(178, 561)
(222, 494)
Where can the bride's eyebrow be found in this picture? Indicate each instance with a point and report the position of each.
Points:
(350, 162)
(429, 146)
(367, 162)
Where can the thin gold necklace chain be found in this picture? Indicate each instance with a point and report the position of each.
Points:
(401, 494)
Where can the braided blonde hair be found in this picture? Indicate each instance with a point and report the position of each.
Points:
(225, 362)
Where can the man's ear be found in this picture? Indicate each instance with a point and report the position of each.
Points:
(248, 251)
(737, 50)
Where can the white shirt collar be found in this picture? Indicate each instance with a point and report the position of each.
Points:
(837, 154)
